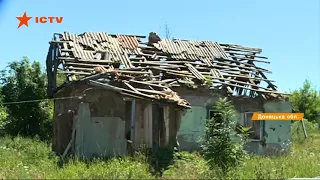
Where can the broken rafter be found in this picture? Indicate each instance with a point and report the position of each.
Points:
(129, 92)
(244, 58)
(159, 66)
(245, 54)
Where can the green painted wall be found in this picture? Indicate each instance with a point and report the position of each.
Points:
(192, 127)
(277, 133)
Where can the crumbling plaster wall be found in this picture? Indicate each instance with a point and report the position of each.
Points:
(102, 104)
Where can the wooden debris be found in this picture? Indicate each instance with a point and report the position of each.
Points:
(149, 69)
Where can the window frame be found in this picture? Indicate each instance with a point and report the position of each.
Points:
(213, 111)
(246, 124)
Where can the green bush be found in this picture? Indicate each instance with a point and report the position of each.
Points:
(25, 81)
(219, 148)
(297, 133)
(189, 166)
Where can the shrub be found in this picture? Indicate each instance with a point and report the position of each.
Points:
(188, 166)
(219, 148)
(297, 133)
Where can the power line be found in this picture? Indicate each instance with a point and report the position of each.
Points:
(38, 100)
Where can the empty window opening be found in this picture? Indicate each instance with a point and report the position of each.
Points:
(255, 126)
(216, 116)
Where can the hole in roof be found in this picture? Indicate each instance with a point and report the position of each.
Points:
(143, 45)
(263, 84)
(121, 66)
(60, 66)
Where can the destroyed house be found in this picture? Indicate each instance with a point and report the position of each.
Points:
(121, 91)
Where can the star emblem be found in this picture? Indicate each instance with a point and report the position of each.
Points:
(23, 20)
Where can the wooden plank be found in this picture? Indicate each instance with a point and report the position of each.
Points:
(166, 119)
(195, 72)
(78, 73)
(254, 60)
(138, 36)
(263, 91)
(151, 91)
(240, 48)
(86, 60)
(95, 76)
(84, 64)
(58, 42)
(148, 125)
(83, 69)
(227, 65)
(269, 83)
(71, 142)
(49, 72)
(304, 129)
(146, 83)
(132, 88)
(133, 123)
(245, 54)
(159, 64)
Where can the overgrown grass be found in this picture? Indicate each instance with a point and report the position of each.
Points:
(31, 158)
(302, 161)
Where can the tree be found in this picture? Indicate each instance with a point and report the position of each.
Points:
(3, 118)
(167, 31)
(23, 81)
(307, 100)
(219, 147)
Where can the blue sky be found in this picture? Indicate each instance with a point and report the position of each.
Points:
(286, 30)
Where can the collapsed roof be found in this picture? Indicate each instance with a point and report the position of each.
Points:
(150, 68)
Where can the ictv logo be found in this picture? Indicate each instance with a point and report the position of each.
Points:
(24, 20)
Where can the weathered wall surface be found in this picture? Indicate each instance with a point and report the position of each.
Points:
(245, 104)
(108, 106)
(101, 104)
(192, 123)
(99, 136)
(192, 128)
(277, 133)
(193, 120)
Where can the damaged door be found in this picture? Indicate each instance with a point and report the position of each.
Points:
(99, 136)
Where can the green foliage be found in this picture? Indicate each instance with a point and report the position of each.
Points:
(307, 101)
(189, 166)
(208, 80)
(26, 158)
(23, 81)
(297, 130)
(3, 118)
(160, 159)
(301, 162)
(61, 79)
(219, 147)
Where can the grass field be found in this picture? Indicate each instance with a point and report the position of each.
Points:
(31, 158)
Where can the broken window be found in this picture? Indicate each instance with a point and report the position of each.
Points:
(215, 116)
(255, 126)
